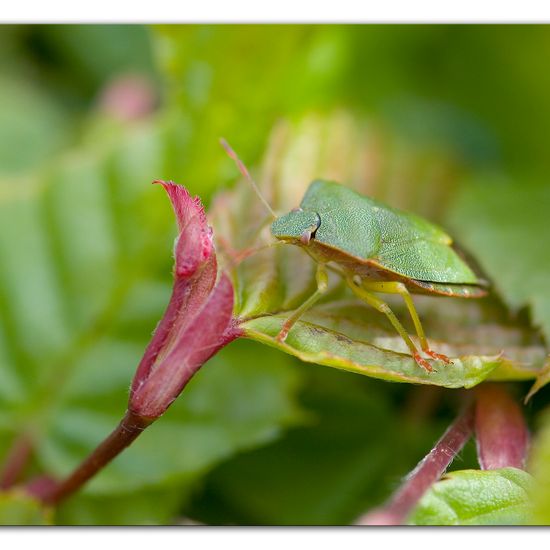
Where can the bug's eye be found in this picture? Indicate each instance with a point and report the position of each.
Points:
(309, 233)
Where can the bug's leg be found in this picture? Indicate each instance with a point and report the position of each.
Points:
(360, 291)
(401, 289)
(236, 257)
(322, 285)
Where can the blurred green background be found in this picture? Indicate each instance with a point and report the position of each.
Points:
(90, 115)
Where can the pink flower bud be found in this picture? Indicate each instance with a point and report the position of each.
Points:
(198, 319)
(501, 431)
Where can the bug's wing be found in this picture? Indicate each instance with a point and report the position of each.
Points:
(418, 249)
(426, 261)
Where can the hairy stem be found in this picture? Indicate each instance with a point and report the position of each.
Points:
(124, 434)
(427, 472)
(130, 427)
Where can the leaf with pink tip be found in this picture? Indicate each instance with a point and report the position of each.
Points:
(193, 347)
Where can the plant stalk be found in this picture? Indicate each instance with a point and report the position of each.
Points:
(124, 434)
(428, 471)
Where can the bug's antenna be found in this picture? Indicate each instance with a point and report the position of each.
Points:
(244, 171)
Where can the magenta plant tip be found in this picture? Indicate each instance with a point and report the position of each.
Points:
(502, 436)
(196, 322)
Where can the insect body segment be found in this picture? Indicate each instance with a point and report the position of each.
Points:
(378, 249)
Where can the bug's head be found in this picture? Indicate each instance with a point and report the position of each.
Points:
(296, 227)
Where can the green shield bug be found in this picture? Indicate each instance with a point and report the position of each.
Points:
(377, 249)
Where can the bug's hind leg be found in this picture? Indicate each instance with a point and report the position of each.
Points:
(401, 289)
(322, 285)
(361, 292)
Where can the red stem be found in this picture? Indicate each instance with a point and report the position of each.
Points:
(131, 426)
(428, 471)
(125, 433)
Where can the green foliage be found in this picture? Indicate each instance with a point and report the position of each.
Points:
(502, 226)
(315, 341)
(329, 470)
(92, 54)
(26, 142)
(85, 261)
(82, 288)
(211, 92)
(163, 465)
(538, 465)
(17, 508)
(506, 244)
(149, 506)
(477, 497)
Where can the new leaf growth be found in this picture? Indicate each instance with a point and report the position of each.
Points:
(198, 320)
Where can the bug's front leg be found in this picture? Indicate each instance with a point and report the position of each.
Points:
(236, 256)
(401, 289)
(322, 285)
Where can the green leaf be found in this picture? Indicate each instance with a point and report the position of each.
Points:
(477, 497)
(521, 279)
(508, 246)
(32, 126)
(416, 174)
(17, 508)
(538, 466)
(157, 506)
(315, 343)
(341, 331)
